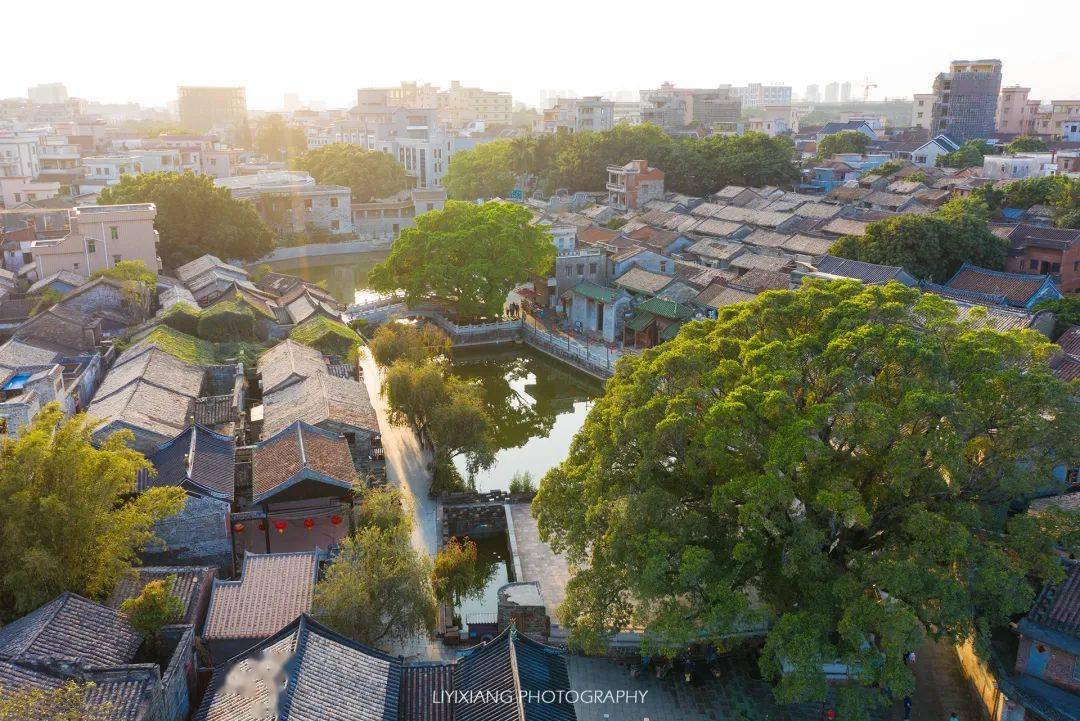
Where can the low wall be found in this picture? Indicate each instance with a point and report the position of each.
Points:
(982, 680)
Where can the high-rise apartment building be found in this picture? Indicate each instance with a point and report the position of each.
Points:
(832, 92)
(756, 95)
(48, 94)
(673, 108)
(204, 108)
(458, 107)
(813, 94)
(966, 98)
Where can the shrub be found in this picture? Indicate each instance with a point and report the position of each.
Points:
(522, 482)
(328, 336)
(183, 317)
(230, 320)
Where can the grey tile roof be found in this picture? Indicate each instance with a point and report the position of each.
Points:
(272, 591)
(319, 399)
(301, 452)
(127, 692)
(198, 460)
(288, 362)
(191, 585)
(857, 269)
(73, 628)
(205, 264)
(327, 676)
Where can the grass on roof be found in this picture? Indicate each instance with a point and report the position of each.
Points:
(328, 336)
(186, 347)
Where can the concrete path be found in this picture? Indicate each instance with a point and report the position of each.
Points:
(406, 464)
(940, 688)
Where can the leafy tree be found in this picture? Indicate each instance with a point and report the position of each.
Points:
(522, 482)
(378, 590)
(1027, 192)
(458, 572)
(155, 606)
(486, 171)
(277, 140)
(468, 256)
(887, 168)
(415, 343)
(970, 155)
(70, 523)
(1026, 144)
(971, 206)
(134, 271)
(1066, 311)
(67, 702)
(194, 217)
(837, 461)
(848, 141)
(1069, 219)
(927, 246)
(918, 176)
(369, 174)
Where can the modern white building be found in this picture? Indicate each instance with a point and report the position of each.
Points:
(756, 95)
(578, 114)
(48, 94)
(291, 201)
(1016, 167)
(385, 218)
(14, 191)
(19, 157)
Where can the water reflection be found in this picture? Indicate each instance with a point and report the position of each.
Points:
(537, 404)
(348, 282)
(482, 607)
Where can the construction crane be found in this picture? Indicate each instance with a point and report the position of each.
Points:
(867, 87)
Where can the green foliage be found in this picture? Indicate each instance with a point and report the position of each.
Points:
(1066, 310)
(412, 342)
(837, 460)
(848, 141)
(1026, 144)
(154, 607)
(328, 336)
(151, 129)
(578, 161)
(468, 256)
(1069, 219)
(67, 702)
(458, 572)
(277, 140)
(918, 176)
(368, 173)
(887, 168)
(378, 590)
(260, 270)
(47, 298)
(231, 320)
(181, 345)
(927, 246)
(70, 523)
(360, 325)
(194, 217)
(1027, 192)
(131, 271)
(970, 155)
(183, 317)
(522, 482)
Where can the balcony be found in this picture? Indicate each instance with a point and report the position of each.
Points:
(616, 187)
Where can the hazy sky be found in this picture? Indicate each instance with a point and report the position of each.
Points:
(120, 50)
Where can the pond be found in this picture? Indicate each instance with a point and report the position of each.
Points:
(482, 607)
(347, 283)
(538, 404)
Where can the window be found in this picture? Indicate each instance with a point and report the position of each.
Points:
(117, 258)
(592, 268)
(333, 202)
(91, 247)
(663, 266)
(1033, 264)
(114, 232)
(75, 266)
(567, 270)
(581, 269)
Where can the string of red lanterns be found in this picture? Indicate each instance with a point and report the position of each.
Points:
(280, 526)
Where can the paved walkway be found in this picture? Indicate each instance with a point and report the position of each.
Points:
(940, 687)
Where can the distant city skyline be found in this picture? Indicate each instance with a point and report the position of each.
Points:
(271, 50)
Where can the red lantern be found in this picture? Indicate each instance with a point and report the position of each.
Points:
(238, 527)
(336, 520)
(262, 525)
(309, 523)
(280, 526)
(830, 714)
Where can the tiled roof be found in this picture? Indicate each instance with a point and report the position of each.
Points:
(716, 249)
(190, 584)
(424, 687)
(1017, 288)
(301, 452)
(1058, 606)
(204, 264)
(705, 210)
(657, 239)
(197, 457)
(817, 210)
(272, 591)
(327, 678)
(752, 261)
(994, 317)
(718, 296)
(596, 292)
(596, 234)
(857, 269)
(127, 692)
(319, 399)
(1066, 367)
(21, 353)
(759, 279)
(887, 200)
(729, 191)
(74, 628)
(766, 239)
(666, 309)
(61, 277)
(717, 227)
(967, 296)
(812, 245)
(1070, 340)
(1040, 236)
(845, 226)
(288, 362)
(639, 280)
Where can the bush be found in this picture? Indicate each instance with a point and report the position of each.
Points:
(186, 347)
(328, 336)
(230, 320)
(183, 317)
(522, 482)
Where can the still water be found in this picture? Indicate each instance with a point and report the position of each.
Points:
(537, 404)
(347, 283)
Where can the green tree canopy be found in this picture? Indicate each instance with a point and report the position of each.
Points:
(67, 702)
(930, 247)
(1026, 144)
(837, 461)
(194, 217)
(130, 270)
(369, 174)
(70, 523)
(486, 171)
(458, 571)
(847, 141)
(378, 590)
(1027, 192)
(970, 155)
(413, 342)
(467, 256)
(155, 606)
(1066, 311)
(278, 140)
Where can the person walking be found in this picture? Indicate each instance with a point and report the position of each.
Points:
(907, 708)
